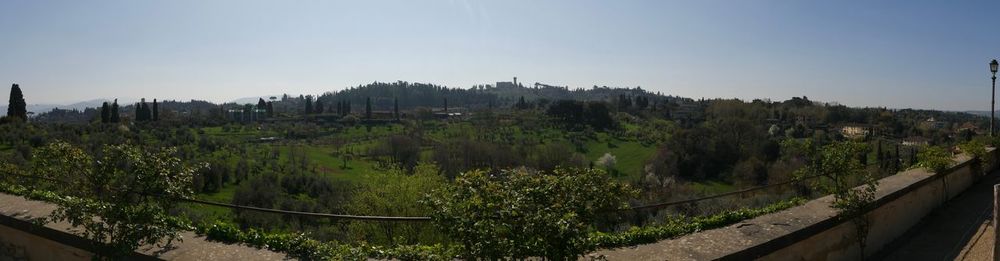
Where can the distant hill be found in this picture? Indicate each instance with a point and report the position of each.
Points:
(253, 100)
(43, 108)
(503, 94)
(979, 113)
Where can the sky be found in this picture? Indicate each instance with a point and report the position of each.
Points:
(896, 54)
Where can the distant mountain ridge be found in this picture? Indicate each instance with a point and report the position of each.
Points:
(979, 113)
(41, 108)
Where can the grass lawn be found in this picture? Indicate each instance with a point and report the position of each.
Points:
(329, 165)
(712, 187)
(631, 155)
(225, 195)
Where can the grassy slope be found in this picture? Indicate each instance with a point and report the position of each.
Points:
(631, 156)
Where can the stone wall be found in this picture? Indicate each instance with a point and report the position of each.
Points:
(813, 231)
(16, 244)
(903, 200)
(22, 239)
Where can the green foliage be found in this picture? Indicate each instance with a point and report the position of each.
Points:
(122, 199)
(840, 166)
(302, 247)
(935, 159)
(678, 226)
(16, 107)
(975, 147)
(519, 213)
(394, 193)
(298, 245)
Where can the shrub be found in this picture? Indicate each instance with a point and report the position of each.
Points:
(975, 148)
(841, 170)
(520, 213)
(120, 200)
(935, 159)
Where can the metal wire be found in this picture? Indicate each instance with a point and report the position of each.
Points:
(421, 219)
(686, 201)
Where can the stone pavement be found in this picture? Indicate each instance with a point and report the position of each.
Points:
(961, 230)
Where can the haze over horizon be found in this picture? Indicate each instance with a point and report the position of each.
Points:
(896, 54)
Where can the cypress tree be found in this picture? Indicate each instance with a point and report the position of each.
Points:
(896, 161)
(368, 108)
(156, 111)
(142, 111)
(270, 109)
(17, 108)
(105, 113)
(115, 117)
(138, 112)
(445, 104)
(309, 105)
(878, 153)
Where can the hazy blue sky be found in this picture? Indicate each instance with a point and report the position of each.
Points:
(921, 54)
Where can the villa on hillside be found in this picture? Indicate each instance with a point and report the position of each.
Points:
(855, 131)
(915, 141)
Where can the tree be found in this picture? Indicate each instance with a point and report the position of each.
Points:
(518, 213)
(270, 109)
(16, 107)
(841, 170)
(607, 162)
(105, 113)
(395, 108)
(115, 117)
(138, 112)
(309, 105)
(368, 108)
(142, 112)
(521, 104)
(445, 104)
(122, 200)
(318, 108)
(395, 193)
(156, 111)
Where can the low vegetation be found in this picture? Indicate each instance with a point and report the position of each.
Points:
(548, 168)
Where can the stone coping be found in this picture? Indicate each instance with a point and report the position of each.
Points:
(760, 236)
(17, 212)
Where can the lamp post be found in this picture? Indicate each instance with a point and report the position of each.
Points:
(993, 97)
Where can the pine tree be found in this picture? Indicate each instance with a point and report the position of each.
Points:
(340, 108)
(105, 113)
(318, 108)
(156, 111)
(16, 107)
(395, 107)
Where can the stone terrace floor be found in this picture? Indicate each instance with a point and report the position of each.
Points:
(960, 230)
